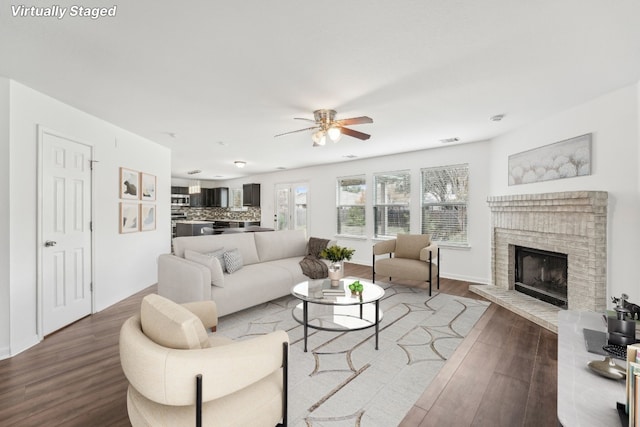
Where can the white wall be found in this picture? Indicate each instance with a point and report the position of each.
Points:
(470, 264)
(5, 226)
(614, 121)
(123, 263)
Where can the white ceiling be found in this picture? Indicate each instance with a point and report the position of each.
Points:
(226, 76)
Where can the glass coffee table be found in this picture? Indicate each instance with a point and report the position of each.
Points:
(327, 312)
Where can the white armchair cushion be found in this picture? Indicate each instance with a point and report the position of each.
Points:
(171, 325)
(409, 245)
(214, 261)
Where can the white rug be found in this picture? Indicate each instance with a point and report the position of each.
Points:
(342, 380)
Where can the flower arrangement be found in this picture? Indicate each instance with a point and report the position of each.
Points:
(337, 253)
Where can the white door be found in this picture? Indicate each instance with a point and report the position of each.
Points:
(291, 206)
(65, 238)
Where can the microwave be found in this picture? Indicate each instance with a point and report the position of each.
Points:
(180, 200)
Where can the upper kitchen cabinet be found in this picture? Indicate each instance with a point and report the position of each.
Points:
(180, 190)
(216, 197)
(251, 195)
(197, 199)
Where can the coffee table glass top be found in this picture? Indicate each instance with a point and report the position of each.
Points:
(311, 291)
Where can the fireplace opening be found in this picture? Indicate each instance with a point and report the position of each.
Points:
(542, 275)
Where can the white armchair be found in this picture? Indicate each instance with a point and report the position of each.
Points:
(411, 257)
(180, 376)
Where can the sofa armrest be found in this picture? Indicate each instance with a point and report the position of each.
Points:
(384, 247)
(182, 280)
(207, 312)
(424, 253)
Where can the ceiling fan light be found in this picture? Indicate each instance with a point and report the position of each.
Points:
(240, 164)
(319, 137)
(334, 133)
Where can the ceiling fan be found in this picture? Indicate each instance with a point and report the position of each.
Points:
(326, 125)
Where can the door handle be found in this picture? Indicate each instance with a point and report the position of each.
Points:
(49, 243)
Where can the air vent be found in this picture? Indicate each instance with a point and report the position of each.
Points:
(449, 140)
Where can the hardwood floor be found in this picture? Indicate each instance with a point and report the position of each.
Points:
(503, 374)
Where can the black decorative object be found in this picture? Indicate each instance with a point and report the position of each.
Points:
(622, 330)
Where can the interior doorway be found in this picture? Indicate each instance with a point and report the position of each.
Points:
(64, 239)
(291, 206)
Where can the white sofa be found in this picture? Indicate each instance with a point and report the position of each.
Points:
(270, 268)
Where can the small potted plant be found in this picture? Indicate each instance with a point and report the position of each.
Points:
(356, 288)
(336, 254)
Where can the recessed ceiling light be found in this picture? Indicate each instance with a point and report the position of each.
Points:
(449, 140)
(350, 156)
(496, 118)
(240, 164)
(224, 144)
(195, 171)
(281, 168)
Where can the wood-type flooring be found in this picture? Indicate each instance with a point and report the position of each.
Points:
(503, 374)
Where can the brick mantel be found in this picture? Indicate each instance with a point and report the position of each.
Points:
(574, 223)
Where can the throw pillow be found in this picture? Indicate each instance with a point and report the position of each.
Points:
(212, 261)
(409, 245)
(171, 325)
(233, 260)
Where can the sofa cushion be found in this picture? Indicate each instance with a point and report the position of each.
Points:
(233, 260)
(204, 244)
(409, 245)
(171, 325)
(273, 245)
(214, 261)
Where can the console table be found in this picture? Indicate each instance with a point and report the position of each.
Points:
(584, 397)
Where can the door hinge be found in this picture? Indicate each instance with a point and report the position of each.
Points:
(91, 162)
(90, 225)
(91, 287)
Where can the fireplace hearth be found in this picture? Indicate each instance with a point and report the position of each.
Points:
(542, 275)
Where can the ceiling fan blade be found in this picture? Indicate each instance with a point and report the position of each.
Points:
(355, 121)
(301, 118)
(355, 134)
(296, 131)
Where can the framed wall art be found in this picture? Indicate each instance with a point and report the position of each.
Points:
(563, 159)
(129, 217)
(147, 216)
(147, 187)
(129, 184)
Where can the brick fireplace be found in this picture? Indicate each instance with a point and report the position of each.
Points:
(571, 223)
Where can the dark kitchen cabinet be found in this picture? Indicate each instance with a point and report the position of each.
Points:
(197, 200)
(180, 190)
(251, 195)
(215, 197)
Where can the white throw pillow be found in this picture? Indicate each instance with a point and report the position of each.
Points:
(233, 260)
(210, 260)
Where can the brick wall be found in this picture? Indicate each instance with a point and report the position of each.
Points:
(573, 223)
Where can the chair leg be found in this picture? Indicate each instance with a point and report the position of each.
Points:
(438, 273)
(373, 267)
(285, 383)
(199, 400)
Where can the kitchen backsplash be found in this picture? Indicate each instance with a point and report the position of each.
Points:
(251, 214)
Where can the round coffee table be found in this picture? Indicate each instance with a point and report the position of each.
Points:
(335, 312)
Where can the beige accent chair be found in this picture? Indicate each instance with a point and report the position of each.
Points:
(181, 376)
(411, 257)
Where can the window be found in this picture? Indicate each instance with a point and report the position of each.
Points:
(351, 204)
(445, 192)
(392, 203)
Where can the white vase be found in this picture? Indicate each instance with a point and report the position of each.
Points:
(336, 272)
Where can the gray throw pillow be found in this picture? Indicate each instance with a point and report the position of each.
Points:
(233, 260)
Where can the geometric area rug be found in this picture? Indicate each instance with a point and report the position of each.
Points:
(342, 380)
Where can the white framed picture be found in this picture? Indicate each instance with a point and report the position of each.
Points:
(129, 183)
(147, 216)
(147, 187)
(129, 217)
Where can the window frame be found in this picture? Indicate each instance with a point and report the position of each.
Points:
(424, 205)
(340, 206)
(405, 207)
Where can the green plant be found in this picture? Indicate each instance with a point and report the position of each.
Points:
(337, 253)
(356, 286)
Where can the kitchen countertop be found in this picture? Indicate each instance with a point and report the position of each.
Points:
(192, 221)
